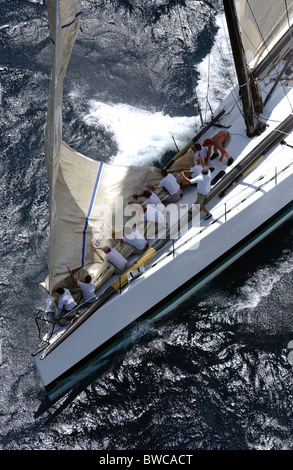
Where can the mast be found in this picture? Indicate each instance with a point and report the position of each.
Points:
(252, 124)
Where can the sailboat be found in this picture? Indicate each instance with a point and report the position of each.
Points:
(248, 199)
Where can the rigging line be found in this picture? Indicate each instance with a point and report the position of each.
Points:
(189, 64)
(278, 80)
(289, 59)
(227, 73)
(272, 64)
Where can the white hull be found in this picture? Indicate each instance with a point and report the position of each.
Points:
(185, 272)
(255, 203)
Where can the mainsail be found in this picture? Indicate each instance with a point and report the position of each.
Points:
(255, 28)
(82, 191)
(262, 24)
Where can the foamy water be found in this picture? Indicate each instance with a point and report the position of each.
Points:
(141, 135)
(144, 135)
(217, 72)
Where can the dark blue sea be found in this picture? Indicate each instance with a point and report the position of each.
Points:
(215, 374)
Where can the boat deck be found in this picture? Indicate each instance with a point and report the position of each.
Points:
(235, 183)
(258, 161)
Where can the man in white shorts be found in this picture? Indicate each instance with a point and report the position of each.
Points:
(203, 182)
(87, 287)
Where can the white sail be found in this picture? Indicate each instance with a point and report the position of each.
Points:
(64, 19)
(79, 187)
(262, 23)
(88, 195)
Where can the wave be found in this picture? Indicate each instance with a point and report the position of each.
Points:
(217, 71)
(141, 136)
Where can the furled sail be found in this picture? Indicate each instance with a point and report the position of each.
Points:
(262, 24)
(84, 193)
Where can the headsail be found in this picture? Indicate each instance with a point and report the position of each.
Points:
(80, 188)
(64, 17)
(88, 194)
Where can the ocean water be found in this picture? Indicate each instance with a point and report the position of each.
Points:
(216, 373)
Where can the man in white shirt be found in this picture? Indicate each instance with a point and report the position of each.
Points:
(203, 182)
(113, 256)
(87, 287)
(65, 303)
(135, 239)
(200, 153)
(197, 151)
(171, 185)
(151, 198)
(151, 214)
(200, 163)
